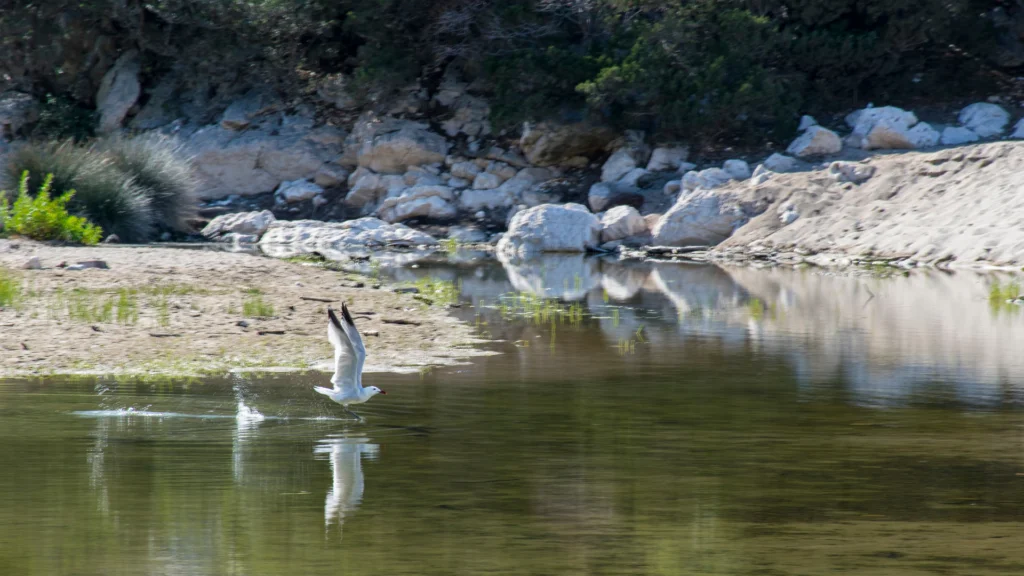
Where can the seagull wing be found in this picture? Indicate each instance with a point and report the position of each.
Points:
(349, 353)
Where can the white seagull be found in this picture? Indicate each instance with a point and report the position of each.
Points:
(346, 491)
(349, 355)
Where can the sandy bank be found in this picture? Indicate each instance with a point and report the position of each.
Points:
(182, 312)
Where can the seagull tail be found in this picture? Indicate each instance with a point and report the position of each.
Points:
(324, 391)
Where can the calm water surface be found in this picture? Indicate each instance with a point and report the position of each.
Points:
(695, 420)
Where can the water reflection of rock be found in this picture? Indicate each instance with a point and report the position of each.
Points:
(563, 276)
(346, 493)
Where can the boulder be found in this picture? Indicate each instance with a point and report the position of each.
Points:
(985, 119)
(667, 159)
(17, 111)
(502, 170)
(334, 89)
(699, 218)
(467, 235)
(780, 163)
(851, 172)
(707, 179)
(737, 169)
(249, 223)
(955, 135)
(622, 222)
(465, 170)
(419, 201)
(1018, 130)
(454, 182)
(507, 156)
(881, 128)
(551, 228)
(816, 141)
(486, 181)
(361, 233)
(240, 114)
(470, 117)
(604, 195)
(297, 191)
(621, 162)
(390, 145)
(547, 144)
(806, 122)
(672, 187)
(922, 135)
(119, 90)
(330, 175)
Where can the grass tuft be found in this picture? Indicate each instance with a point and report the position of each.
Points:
(10, 289)
(253, 305)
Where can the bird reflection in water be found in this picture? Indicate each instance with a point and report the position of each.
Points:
(346, 493)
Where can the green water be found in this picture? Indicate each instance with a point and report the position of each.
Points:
(769, 423)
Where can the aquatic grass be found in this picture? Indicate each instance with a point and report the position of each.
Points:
(10, 289)
(127, 306)
(253, 305)
(1004, 296)
(539, 310)
(440, 292)
(86, 306)
(450, 245)
(163, 312)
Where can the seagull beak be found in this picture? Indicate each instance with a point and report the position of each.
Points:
(383, 392)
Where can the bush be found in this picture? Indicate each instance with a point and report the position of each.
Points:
(160, 168)
(60, 118)
(43, 218)
(104, 193)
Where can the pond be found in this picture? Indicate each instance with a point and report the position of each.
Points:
(649, 419)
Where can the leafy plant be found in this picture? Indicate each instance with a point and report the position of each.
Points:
(43, 218)
(10, 289)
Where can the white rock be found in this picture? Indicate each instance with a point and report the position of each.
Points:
(788, 217)
(633, 177)
(330, 175)
(390, 145)
(17, 111)
(667, 159)
(708, 179)
(622, 222)
(922, 135)
(365, 190)
(426, 201)
(685, 167)
(551, 228)
(699, 218)
(690, 180)
(465, 170)
(486, 181)
(737, 169)
(599, 195)
(254, 223)
(954, 135)
(891, 122)
(480, 215)
(618, 165)
(501, 170)
(672, 187)
(119, 90)
(240, 114)
(780, 163)
(816, 141)
(806, 122)
(547, 144)
(467, 234)
(985, 119)
(454, 182)
(312, 234)
(33, 263)
(851, 171)
(297, 191)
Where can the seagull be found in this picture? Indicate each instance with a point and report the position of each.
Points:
(346, 491)
(349, 355)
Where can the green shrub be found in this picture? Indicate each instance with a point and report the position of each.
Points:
(60, 118)
(160, 168)
(43, 218)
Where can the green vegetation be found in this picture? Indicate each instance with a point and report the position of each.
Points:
(253, 305)
(540, 310)
(43, 218)
(10, 289)
(1004, 296)
(705, 69)
(132, 188)
(440, 292)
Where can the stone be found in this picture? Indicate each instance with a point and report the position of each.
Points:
(118, 92)
(467, 235)
(17, 112)
(780, 163)
(816, 141)
(788, 217)
(605, 195)
(667, 159)
(454, 182)
(672, 187)
(480, 215)
(391, 145)
(240, 114)
(470, 117)
(548, 144)
(255, 223)
(112, 239)
(737, 169)
(707, 179)
(551, 228)
(955, 135)
(1018, 130)
(465, 170)
(699, 218)
(881, 128)
(851, 172)
(297, 191)
(419, 201)
(535, 175)
(635, 178)
(33, 263)
(236, 238)
(806, 122)
(502, 170)
(509, 157)
(365, 190)
(622, 222)
(334, 89)
(330, 176)
(985, 119)
(360, 233)
(486, 181)
(685, 167)
(618, 165)
(922, 135)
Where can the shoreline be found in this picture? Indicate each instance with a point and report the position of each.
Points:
(182, 312)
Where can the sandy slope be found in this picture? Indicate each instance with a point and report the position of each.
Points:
(197, 330)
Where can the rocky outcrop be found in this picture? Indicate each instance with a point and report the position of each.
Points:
(249, 223)
(622, 222)
(241, 113)
(701, 217)
(668, 159)
(434, 202)
(390, 145)
(297, 191)
(361, 233)
(551, 228)
(816, 141)
(118, 92)
(985, 119)
(549, 144)
(17, 111)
